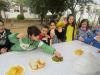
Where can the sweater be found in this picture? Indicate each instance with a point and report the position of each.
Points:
(4, 41)
(91, 40)
(26, 44)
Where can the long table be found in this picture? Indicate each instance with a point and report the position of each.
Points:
(51, 68)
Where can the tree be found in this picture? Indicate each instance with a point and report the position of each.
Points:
(56, 6)
(4, 6)
(38, 7)
(21, 3)
(41, 7)
(72, 4)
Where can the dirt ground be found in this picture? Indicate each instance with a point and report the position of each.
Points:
(20, 27)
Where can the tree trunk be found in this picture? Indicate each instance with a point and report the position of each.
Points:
(21, 10)
(5, 17)
(0, 15)
(42, 17)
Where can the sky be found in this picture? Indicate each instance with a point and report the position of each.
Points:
(97, 1)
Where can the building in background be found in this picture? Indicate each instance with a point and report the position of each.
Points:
(91, 12)
(15, 10)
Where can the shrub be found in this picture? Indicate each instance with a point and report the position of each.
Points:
(20, 17)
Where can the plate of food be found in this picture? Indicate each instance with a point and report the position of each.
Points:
(78, 52)
(36, 65)
(57, 59)
(15, 70)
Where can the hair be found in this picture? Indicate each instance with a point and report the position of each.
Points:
(45, 26)
(73, 24)
(52, 21)
(33, 30)
(2, 22)
(85, 20)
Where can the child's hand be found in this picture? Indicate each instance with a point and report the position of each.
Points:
(52, 33)
(56, 53)
(81, 39)
(3, 50)
(47, 36)
(98, 51)
(52, 36)
(21, 35)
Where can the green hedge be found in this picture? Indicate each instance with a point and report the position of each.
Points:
(20, 17)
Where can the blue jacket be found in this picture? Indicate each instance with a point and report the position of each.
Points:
(84, 34)
(93, 41)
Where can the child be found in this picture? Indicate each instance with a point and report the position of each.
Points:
(44, 36)
(30, 42)
(94, 40)
(70, 28)
(84, 29)
(53, 33)
(4, 41)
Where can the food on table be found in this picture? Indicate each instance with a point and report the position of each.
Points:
(38, 64)
(79, 52)
(15, 70)
(42, 62)
(88, 64)
(57, 59)
(33, 66)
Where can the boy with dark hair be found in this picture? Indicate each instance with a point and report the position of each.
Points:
(44, 31)
(4, 41)
(30, 42)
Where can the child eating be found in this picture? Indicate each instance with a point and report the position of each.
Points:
(30, 42)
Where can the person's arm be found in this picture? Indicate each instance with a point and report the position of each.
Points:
(89, 40)
(77, 35)
(3, 50)
(48, 49)
(86, 40)
(61, 34)
(98, 51)
(8, 43)
(89, 33)
(14, 37)
(75, 31)
(8, 31)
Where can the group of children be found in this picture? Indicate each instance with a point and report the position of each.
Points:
(70, 31)
(55, 33)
